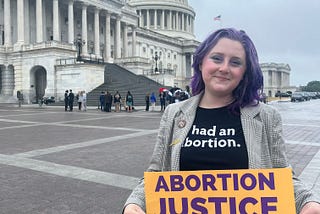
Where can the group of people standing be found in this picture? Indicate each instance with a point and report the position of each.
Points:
(68, 100)
(152, 99)
(165, 98)
(81, 98)
(106, 99)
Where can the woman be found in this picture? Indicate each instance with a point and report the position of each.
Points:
(153, 101)
(84, 100)
(226, 85)
(117, 101)
(162, 97)
(79, 98)
(129, 101)
(147, 99)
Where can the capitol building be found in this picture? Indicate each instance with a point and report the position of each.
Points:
(45, 44)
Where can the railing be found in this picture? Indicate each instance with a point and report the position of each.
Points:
(66, 61)
(49, 44)
(91, 59)
(160, 71)
(78, 60)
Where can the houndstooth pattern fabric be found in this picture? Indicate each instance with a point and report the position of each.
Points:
(262, 128)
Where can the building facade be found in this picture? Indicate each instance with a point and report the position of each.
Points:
(276, 78)
(42, 40)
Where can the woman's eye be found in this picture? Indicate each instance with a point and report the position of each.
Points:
(235, 63)
(216, 58)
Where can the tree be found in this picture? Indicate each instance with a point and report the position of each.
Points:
(312, 86)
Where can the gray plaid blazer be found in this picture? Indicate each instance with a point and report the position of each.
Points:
(262, 128)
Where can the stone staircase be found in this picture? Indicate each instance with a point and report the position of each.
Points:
(119, 79)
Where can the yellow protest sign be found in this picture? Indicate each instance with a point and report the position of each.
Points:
(261, 191)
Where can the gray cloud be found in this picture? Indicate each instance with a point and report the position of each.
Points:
(284, 31)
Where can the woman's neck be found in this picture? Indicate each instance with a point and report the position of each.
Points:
(211, 101)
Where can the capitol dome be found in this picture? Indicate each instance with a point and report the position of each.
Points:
(174, 18)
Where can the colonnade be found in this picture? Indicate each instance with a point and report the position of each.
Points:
(166, 20)
(56, 28)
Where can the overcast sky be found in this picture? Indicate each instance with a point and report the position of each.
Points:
(283, 31)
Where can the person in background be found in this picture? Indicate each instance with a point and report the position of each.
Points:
(102, 100)
(79, 98)
(84, 100)
(71, 100)
(129, 101)
(177, 96)
(20, 98)
(147, 99)
(66, 100)
(162, 97)
(153, 101)
(225, 86)
(108, 101)
(117, 101)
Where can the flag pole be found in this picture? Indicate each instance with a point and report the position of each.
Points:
(218, 18)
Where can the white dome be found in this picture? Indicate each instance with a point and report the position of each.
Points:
(174, 18)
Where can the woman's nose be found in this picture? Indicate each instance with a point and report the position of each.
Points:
(224, 66)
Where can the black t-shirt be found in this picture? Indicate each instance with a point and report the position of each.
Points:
(215, 141)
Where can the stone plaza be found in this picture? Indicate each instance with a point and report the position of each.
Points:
(54, 161)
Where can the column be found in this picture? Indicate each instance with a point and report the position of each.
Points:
(141, 19)
(191, 24)
(84, 30)
(182, 22)
(107, 37)
(56, 30)
(177, 21)
(162, 20)
(164, 59)
(170, 20)
(183, 67)
(274, 78)
(39, 21)
(125, 40)
(7, 81)
(96, 32)
(7, 23)
(26, 17)
(20, 21)
(70, 22)
(1, 30)
(155, 19)
(134, 41)
(118, 37)
(188, 23)
(148, 19)
(173, 21)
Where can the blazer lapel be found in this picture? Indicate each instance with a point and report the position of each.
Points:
(182, 124)
(252, 129)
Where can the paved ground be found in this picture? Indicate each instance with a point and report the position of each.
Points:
(54, 162)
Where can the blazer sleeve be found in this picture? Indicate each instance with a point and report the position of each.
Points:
(160, 160)
(279, 159)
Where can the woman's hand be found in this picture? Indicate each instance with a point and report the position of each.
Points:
(133, 209)
(311, 208)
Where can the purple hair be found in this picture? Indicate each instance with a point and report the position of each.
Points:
(247, 92)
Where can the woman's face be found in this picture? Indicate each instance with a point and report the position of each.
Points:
(223, 67)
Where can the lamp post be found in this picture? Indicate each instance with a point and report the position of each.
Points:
(156, 58)
(79, 43)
